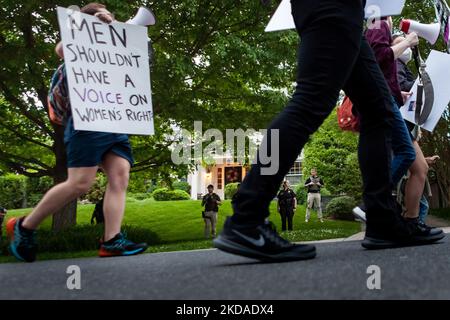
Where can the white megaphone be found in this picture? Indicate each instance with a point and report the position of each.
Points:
(144, 17)
(429, 32)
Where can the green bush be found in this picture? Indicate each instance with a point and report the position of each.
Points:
(231, 189)
(301, 193)
(180, 195)
(39, 185)
(182, 185)
(340, 208)
(84, 237)
(13, 191)
(164, 194)
(97, 190)
(138, 196)
(33, 199)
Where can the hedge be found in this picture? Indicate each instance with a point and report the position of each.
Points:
(164, 194)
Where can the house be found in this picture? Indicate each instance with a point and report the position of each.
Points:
(228, 171)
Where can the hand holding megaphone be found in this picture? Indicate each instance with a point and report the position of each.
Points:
(412, 39)
(429, 32)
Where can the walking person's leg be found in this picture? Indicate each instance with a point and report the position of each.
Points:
(415, 184)
(114, 242)
(402, 147)
(117, 170)
(424, 207)
(331, 36)
(22, 230)
(207, 220)
(385, 227)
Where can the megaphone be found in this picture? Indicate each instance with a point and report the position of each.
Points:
(144, 17)
(429, 32)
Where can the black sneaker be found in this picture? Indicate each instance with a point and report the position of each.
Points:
(121, 246)
(23, 244)
(406, 232)
(260, 241)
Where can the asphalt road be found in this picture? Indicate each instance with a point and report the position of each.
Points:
(338, 272)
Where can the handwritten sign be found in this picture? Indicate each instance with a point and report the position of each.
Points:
(108, 74)
(283, 20)
(438, 64)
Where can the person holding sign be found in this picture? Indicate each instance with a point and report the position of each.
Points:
(333, 55)
(86, 152)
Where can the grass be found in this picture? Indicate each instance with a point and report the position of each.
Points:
(441, 213)
(177, 225)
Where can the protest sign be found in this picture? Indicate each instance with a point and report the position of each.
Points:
(108, 74)
(282, 18)
(438, 64)
(443, 16)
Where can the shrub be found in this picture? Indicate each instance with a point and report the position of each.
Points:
(97, 190)
(301, 193)
(341, 208)
(39, 185)
(231, 189)
(13, 191)
(180, 195)
(33, 199)
(164, 194)
(182, 185)
(84, 237)
(139, 196)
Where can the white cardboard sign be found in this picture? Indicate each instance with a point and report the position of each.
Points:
(283, 20)
(438, 67)
(108, 74)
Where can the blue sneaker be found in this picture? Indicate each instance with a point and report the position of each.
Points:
(23, 242)
(121, 246)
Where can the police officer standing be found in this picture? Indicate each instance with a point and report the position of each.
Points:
(313, 184)
(287, 204)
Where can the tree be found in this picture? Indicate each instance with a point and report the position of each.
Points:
(206, 53)
(333, 153)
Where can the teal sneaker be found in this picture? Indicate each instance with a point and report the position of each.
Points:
(120, 246)
(23, 242)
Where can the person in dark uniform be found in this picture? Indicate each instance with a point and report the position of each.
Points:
(211, 201)
(287, 204)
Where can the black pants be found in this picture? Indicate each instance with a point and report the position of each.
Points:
(333, 55)
(287, 215)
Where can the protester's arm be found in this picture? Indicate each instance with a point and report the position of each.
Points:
(59, 50)
(307, 182)
(379, 40)
(432, 160)
(410, 41)
(218, 200)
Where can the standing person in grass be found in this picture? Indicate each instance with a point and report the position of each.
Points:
(314, 183)
(3, 212)
(86, 151)
(287, 204)
(211, 201)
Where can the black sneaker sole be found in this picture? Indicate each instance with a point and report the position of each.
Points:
(235, 248)
(375, 244)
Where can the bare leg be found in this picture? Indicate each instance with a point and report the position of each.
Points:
(415, 184)
(78, 182)
(117, 170)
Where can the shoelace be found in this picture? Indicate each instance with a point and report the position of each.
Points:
(122, 241)
(26, 239)
(270, 232)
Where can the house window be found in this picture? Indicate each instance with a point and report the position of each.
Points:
(219, 178)
(296, 168)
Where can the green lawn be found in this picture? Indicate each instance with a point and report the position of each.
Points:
(178, 225)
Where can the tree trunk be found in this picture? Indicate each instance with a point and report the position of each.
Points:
(67, 216)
